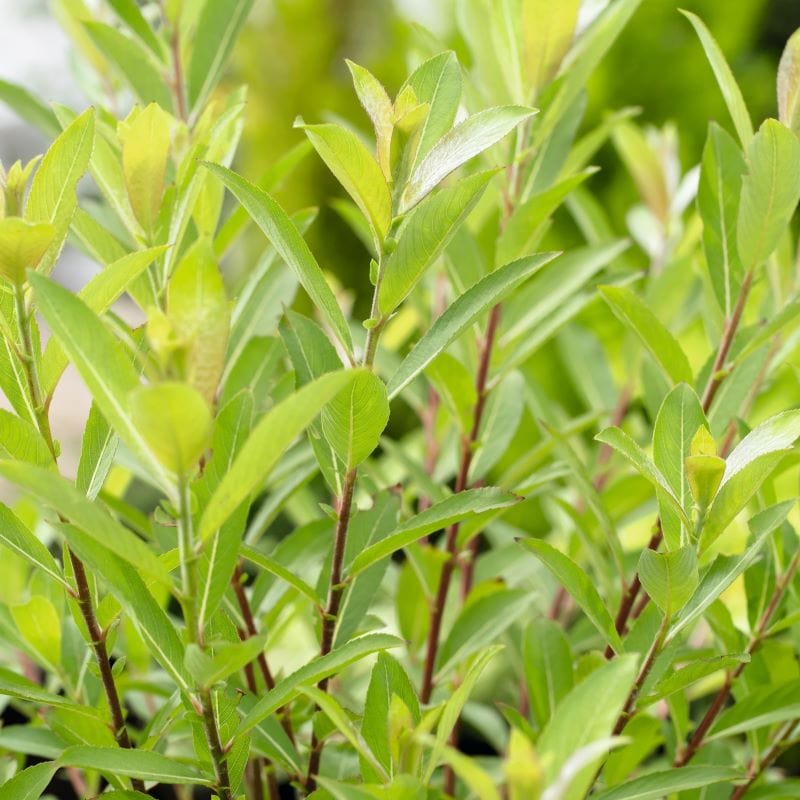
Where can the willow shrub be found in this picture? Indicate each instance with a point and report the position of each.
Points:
(258, 582)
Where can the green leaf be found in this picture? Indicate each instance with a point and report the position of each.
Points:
(22, 246)
(15, 685)
(291, 246)
(128, 11)
(770, 191)
(21, 441)
(358, 172)
(98, 448)
(725, 569)
(579, 585)
(227, 658)
(669, 578)
(270, 438)
(447, 512)
(481, 622)
(53, 490)
(313, 672)
(763, 706)
(30, 783)
(136, 64)
(547, 31)
(437, 83)
(425, 235)
(132, 763)
(38, 622)
(547, 665)
(129, 589)
(746, 468)
(17, 538)
(271, 566)
(678, 420)
(101, 362)
(469, 138)
(376, 103)
(678, 680)
(661, 344)
(789, 84)
(727, 83)
(668, 781)
(145, 139)
(175, 421)
(623, 444)
(461, 313)
(217, 29)
(30, 108)
(718, 203)
(353, 421)
(580, 720)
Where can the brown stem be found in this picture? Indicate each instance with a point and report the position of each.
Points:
(331, 614)
(451, 542)
(97, 638)
(218, 755)
(718, 703)
(757, 765)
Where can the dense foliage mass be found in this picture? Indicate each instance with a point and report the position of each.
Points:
(310, 554)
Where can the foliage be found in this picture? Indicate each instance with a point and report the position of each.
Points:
(315, 552)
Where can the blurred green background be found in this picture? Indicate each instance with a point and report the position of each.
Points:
(292, 57)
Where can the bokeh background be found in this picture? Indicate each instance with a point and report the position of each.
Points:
(292, 54)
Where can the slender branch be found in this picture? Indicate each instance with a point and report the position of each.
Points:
(97, 636)
(783, 741)
(685, 755)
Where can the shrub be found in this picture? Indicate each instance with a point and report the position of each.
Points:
(315, 554)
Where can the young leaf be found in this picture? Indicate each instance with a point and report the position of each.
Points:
(270, 438)
(378, 106)
(358, 172)
(22, 247)
(453, 509)
(579, 585)
(662, 345)
(718, 203)
(52, 197)
(291, 246)
(727, 83)
(547, 31)
(770, 191)
(176, 423)
(102, 364)
(471, 137)
(217, 29)
(669, 578)
(424, 236)
(789, 84)
(460, 314)
(353, 421)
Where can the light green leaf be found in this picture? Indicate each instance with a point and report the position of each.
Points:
(22, 246)
(17, 538)
(669, 578)
(547, 665)
(469, 138)
(661, 344)
(208, 668)
(38, 622)
(30, 108)
(579, 585)
(30, 783)
(134, 763)
(218, 27)
(725, 569)
(175, 421)
(424, 236)
(669, 781)
(376, 103)
(53, 490)
(580, 720)
(694, 671)
(271, 566)
(461, 313)
(678, 420)
(354, 420)
(436, 82)
(358, 172)
(101, 362)
(453, 509)
(270, 438)
(727, 83)
(718, 202)
(128, 11)
(547, 31)
(15, 685)
(53, 197)
(623, 444)
(480, 622)
(789, 84)
(763, 706)
(770, 191)
(291, 246)
(136, 64)
(313, 672)
(21, 441)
